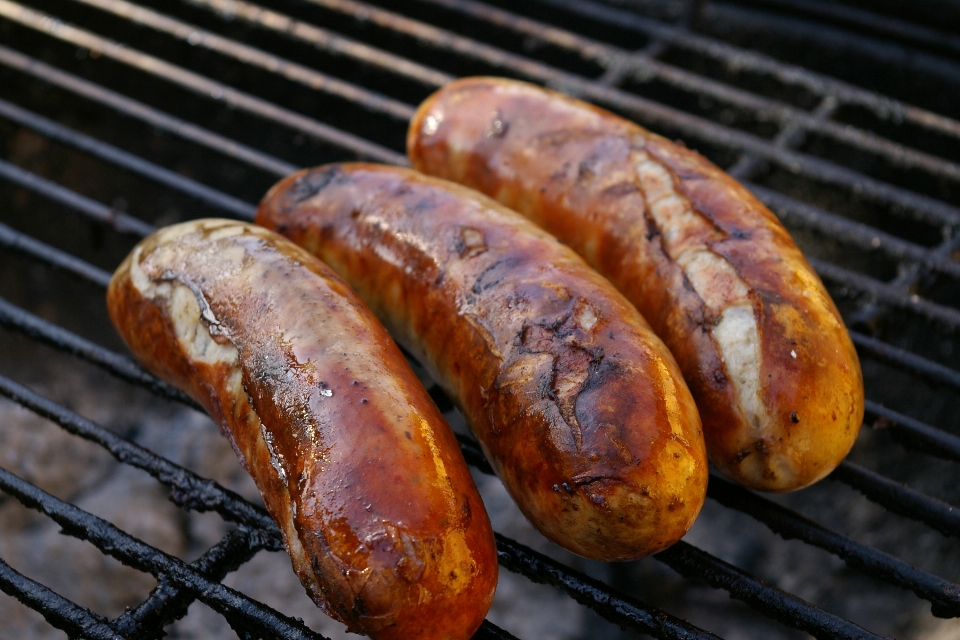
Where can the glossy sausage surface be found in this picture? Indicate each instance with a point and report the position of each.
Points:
(766, 354)
(581, 410)
(378, 511)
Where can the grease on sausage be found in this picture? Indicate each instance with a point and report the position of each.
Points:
(382, 521)
(772, 368)
(581, 410)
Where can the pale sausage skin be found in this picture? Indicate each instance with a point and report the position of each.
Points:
(761, 344)
(581, 410)
(377, 508)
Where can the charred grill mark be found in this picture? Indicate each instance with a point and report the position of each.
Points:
(653, 231)
(479, 285)
(560, 138)
(588, 167)
(561, 173)
(310, 184)
(619, 190)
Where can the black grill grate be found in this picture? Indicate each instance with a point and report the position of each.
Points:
(876, 206)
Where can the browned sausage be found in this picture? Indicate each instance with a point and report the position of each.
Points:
(377, 508)
(581, 410)
(759, 340)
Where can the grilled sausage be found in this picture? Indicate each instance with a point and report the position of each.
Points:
(766, 354)
(377, 508)
(580, 409)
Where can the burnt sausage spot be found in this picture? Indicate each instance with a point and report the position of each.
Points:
(310, 184)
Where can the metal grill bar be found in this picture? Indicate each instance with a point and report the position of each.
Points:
(775, 603)
(63, 414)
(374, 102)
(861, 235)
(198, 494)
(188, 490)
(57, 610)
(926, 369)
(145, 113)
(743, 59)
(617, 608)
(36, 402)
(943, 517)
(197, 83)
(854, 284)
(924, 508)
(798, 214)
(689, 126)
(168, 603)
(791, 136)
(864, 19)
(825, 35)
(939, 515)
(861, 284)
(13, 317)
(645, 67)
(24, 244)
(791, 211)
(126, 160)
(916, 434)
(943, 595)
(241, 610)
(116, 220)
(324, 40)
(490, 631)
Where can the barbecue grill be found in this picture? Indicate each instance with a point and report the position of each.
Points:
(116, 117)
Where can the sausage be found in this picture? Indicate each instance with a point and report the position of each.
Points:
(580, 409)
(377, 508)
(760, 342)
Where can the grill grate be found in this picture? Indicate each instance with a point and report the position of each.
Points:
(887, 208)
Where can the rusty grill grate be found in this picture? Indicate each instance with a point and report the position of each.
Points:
(240, 94)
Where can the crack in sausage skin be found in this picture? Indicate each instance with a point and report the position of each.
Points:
(580, 408)
(760, 342)
(382, 521)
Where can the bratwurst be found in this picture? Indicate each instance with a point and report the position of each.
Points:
(377, 508)
(770, 363)
(579, 407)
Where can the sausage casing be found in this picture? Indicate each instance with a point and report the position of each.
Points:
(760, 342)
(377, 508)
(580, 408)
